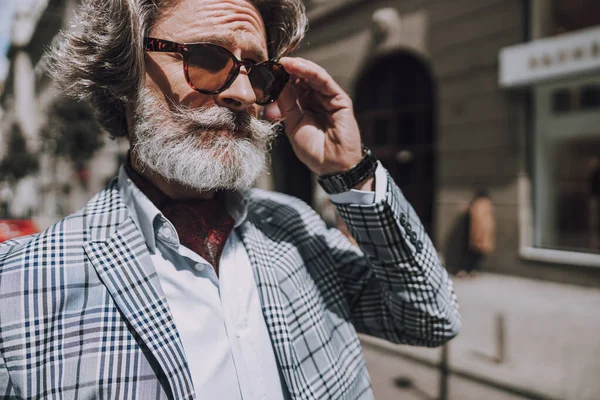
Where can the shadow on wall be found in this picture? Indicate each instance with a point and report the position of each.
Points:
(456, 243)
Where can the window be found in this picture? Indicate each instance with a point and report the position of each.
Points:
(567, 165)
(577, 98)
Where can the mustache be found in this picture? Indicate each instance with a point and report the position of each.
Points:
(215, 118)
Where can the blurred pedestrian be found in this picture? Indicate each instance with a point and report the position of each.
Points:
(177, 280)
(482, 232)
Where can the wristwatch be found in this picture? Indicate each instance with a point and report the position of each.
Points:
(345, 181)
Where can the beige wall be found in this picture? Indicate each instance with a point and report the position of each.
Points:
(479, 125)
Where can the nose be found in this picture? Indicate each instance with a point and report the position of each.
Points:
(240, 95)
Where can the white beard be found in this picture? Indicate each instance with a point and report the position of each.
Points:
(204, 149)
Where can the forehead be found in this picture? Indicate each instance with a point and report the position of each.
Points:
(233, 23)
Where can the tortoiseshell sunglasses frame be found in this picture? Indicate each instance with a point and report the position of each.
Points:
(185, 49)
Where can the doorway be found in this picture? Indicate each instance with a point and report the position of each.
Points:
(394, 106)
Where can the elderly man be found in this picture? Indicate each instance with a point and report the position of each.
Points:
(177, 280)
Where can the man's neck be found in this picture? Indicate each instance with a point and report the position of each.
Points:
(172, 189)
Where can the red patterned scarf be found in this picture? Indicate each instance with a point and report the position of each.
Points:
(202, 225)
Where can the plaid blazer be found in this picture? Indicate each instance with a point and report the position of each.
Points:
(83, 316)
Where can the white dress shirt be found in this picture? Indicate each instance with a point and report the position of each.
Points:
(219, 318)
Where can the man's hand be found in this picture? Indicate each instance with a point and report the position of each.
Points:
(319, 119)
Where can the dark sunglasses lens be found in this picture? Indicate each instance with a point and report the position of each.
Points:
(209, 67)
(268, 80)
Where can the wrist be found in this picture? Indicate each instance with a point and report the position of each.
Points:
(341, 167)
(359, 176)
(366, 186)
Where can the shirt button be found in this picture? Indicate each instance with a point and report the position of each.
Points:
(199, 267)
(168, 235)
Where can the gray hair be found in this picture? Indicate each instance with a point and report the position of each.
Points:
(102, 59)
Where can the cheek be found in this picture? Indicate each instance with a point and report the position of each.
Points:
(166, 75)
(165, 72)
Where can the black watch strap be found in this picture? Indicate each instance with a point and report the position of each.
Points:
(345, 181)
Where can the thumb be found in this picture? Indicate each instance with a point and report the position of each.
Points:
(272, 112)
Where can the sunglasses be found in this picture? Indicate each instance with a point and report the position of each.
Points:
(211, 69)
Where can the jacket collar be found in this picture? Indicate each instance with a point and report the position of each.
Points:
(118, 252)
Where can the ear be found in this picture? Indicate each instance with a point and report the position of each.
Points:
(129, 115)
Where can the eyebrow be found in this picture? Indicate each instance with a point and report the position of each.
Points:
(229, 42)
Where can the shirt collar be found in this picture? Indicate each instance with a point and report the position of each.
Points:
(145, 214)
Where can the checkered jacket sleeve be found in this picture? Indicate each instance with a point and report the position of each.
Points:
(400, 292)
(6, 387)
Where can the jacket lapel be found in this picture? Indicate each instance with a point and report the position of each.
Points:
(260, 251)
(118, 252)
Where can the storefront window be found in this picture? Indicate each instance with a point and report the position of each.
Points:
(567, 165)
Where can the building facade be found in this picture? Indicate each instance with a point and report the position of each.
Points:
(58, 188)
(501, 94)
(451, 96)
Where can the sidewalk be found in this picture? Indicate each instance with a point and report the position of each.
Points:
(552, 336)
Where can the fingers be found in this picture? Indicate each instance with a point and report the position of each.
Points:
(310, 99)
(311, 90)
(313, 75)
(289, 107)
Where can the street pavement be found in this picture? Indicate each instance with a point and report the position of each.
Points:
(552, 340)
(395, 378)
